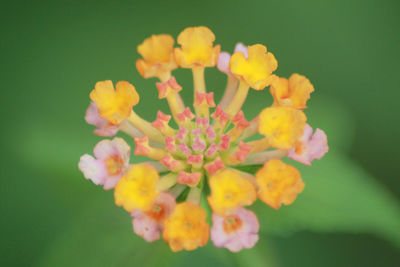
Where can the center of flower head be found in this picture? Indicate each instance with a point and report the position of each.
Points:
(232, 223)
(197, 143)
(200, 146)
(203, 157)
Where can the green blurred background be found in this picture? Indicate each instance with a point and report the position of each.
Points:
(53, 52)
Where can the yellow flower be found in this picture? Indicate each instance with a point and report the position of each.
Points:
(197, 48)
(186, 228)
(282, 126)
(293, 92)
(137, 189)
(158, 57)
(230, 190)
(278, 183)
(255, 70)
(114, 106)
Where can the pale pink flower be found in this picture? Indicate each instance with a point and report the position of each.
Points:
(148, 224)
(235, 231)
(310, 146)
(110, 162)
(225, 57)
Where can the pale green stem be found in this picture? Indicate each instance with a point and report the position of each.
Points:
(251, 129)
(230, 91)
(129, 129)
(177, 190)
(199, 86)
(175, 101)
(198, 80)
(146, 128)
(156, 165)
(167, 182)
(194, 195)
(238, 100)
(262, 157)
(163, 77)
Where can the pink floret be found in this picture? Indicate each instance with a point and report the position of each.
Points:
(312, 146)
(98, 168)
(149, 224)
(236, 239)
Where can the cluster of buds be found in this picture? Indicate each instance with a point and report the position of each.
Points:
(197, 166)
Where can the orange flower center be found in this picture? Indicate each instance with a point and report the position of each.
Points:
(188, 225)
(114, 164)
(299, 148)
(232, 223)
(157, 212)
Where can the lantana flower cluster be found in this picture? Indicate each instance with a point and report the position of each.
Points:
(193, 188)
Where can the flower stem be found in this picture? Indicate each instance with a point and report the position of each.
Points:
(259, 145)
(198, 80)
(262, 157)
(167, 182)
(238, 100)
(175, 103)
(145, 127)
(230, 91)
(200, 87)
(129, 129)
(194, 195)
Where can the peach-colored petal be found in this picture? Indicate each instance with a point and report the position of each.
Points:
(157, 53)
(256, 69)
(114, 105)
(196, 48)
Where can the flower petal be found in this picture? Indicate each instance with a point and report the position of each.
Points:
(146, 228)
(93, 169)
(235, 231)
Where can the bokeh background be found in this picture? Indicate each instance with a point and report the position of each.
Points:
(52, 54)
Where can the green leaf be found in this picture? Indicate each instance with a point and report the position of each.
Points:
(339, 197)
(102, 235)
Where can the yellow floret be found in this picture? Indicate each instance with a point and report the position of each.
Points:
(114, 106)
(278, 183)
(137, 189)
(293, 92)
(186, 228)
(256, 70)
(197, 48)
(158, 57)
(230, 190)
(282, 126)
